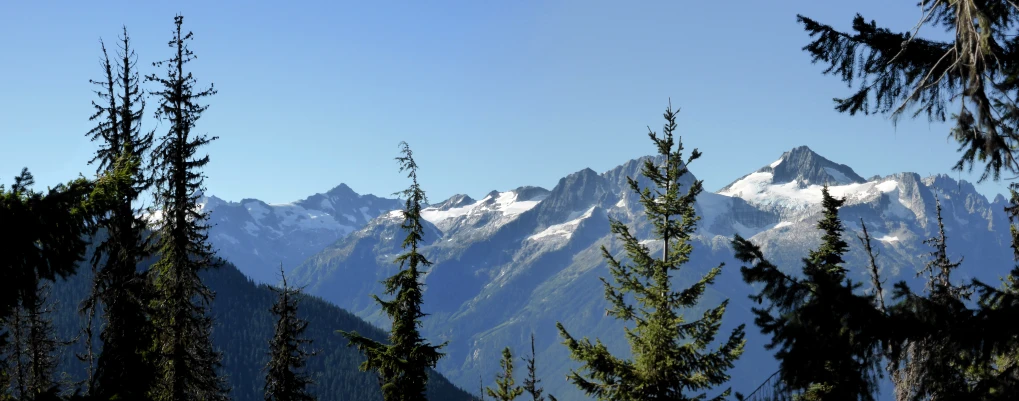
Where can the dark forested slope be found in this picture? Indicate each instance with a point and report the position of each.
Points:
(242, 329)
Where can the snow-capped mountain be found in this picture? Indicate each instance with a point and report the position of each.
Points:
(517, 261)
(259, 237)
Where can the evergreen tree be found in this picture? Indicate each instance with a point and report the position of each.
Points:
(506, 388)
(898, 72)
(671, 359)
(973, 70)
(532, 384)
(33, 351)
(402, 365)
(187, 367)
(5, 371)
(930, 365)
(41, 346)
(15, 357)
(284, 380)
(49, 242)
(50, 237)
(828, 346)
(120, 288)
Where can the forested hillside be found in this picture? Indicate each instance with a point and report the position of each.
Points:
(242, 331)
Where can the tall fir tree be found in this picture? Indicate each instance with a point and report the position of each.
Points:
(931, 366)
(284, 379)
(825, 332)
(50, 239)
(16, 361)
(52, 228)
(120, 290)
(532, 384)
(901, 73)
(505, 386)
(188, 364)
(33, 352)
(41, 347)
(972, 71)
(6, 381)
(671, 356)
(402, 365)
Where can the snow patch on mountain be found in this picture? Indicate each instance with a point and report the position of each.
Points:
(228, 237)
(776, 163)
(251, 228)
(888, 238)
(838, 175)
(256, 209)
(506, 205)
(292, 215)
(562, 230)
(758, 189)
(710, 206)
(509, 206)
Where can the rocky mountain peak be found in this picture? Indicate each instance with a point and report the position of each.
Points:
(803, 165)
(342, 190)
(527, 193)
(458, 200)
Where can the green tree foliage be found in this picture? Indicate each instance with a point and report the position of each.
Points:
(50, 238)
(505, 387)
(187, 367)
(671, 358)
(825, 332)
(49, 243)
(284, 379)
(402, 365)
(40, 347)
(931, 365)
(899, 71)
(120, 289)
(973, 70)
(244, 323)
(32, 353)
(532, 384)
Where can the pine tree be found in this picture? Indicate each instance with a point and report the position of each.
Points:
(506, 388)
(284, 380)
(33, 352)
(899, 72)
(41, 346)
(532, 384)
(120, 288)
(50, 237)
(829, 348)
(972, 70)
(6, 381)
(1006, 359)
(402, 365)
(187, 367)
(932, 366)
(48, 243)
(671, 358)
(15, 357)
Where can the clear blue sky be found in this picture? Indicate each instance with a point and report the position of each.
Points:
(490, 94)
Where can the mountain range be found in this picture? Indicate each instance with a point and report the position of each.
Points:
(261, 237)
(514, 262)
